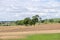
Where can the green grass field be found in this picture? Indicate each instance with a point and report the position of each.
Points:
(43, 37)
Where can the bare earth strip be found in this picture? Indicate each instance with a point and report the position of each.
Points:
(12, 32)
(13, 35)
(8, 35)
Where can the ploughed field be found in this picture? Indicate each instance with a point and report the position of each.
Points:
(15, 32)
(29, 28)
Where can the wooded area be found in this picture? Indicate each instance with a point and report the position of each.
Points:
(30, 21)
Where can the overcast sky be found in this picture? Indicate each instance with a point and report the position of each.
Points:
(19, 9)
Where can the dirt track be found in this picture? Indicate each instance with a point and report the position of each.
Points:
(8, 32)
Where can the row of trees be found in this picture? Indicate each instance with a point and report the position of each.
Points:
(54, 20)
(36, 19)
(29, 21)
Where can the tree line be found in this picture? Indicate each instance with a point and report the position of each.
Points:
(37, 19)
(29, 21)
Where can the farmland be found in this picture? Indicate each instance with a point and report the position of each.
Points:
(16, 32)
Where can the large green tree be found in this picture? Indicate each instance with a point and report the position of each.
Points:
(27, 21)
(35, 18)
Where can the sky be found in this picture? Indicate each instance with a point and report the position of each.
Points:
(11, 10)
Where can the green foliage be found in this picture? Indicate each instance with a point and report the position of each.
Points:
(55, 20)
(42, 37)
(28, 21)
(36, 19)
(51, 20)
(21, 22)
(45, 21)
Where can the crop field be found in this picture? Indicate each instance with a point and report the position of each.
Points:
(37, 32)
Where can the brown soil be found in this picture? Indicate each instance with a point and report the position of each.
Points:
(29, 28)
(7, 32)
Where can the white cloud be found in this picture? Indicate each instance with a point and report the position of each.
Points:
(16, 15)
(19, 9)
(35, 0)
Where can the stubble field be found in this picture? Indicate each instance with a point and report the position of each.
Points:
(16, 32)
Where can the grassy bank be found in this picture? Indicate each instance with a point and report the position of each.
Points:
(42, 37)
